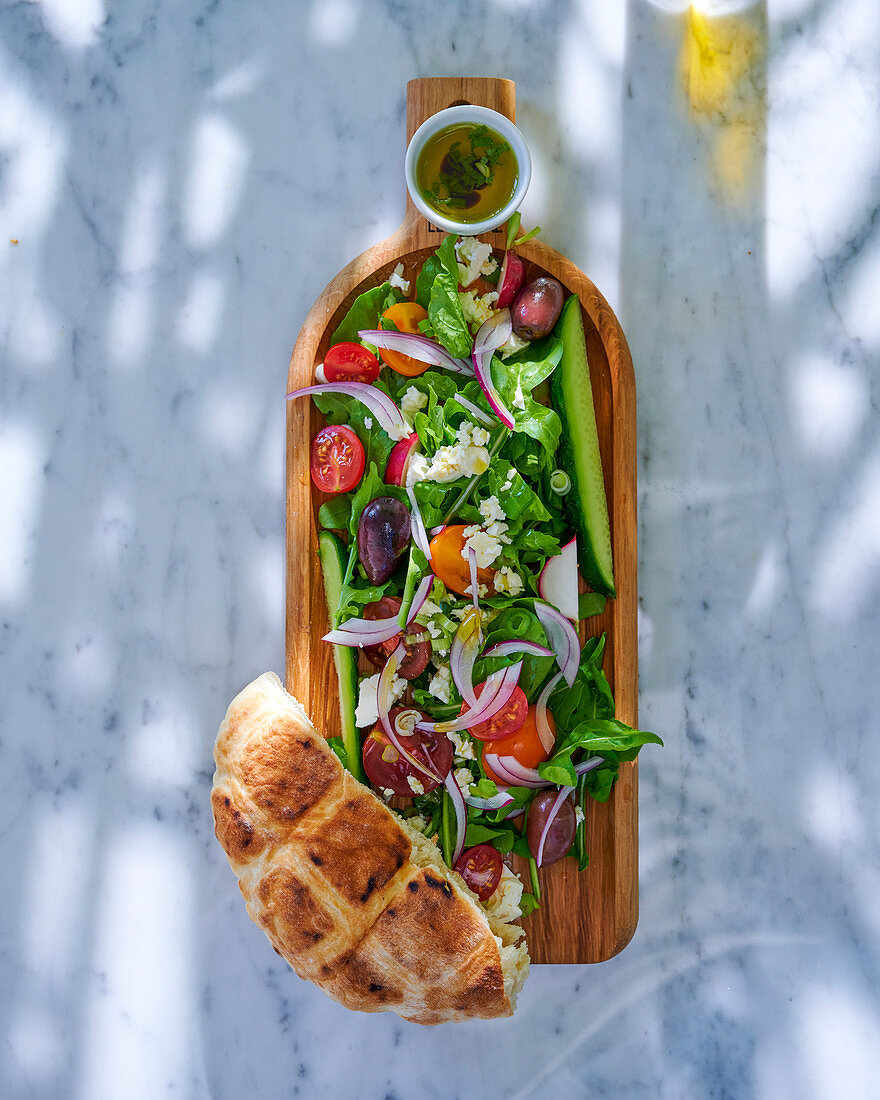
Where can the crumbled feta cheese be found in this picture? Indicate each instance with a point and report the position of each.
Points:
(417, 469)
(477, 310)
(430, 608)
(440, 685)
(387, 793)
(464, 779)
(464, 458)
(482, 590)
(475, 258)
(412, 401)
(368, 423)
(417, 822)
(508, 582)
(487, 547)
(508, 482)
(504, 904)
(491, 510)
(399, 431)
(396, 279)
(415, 785)
(512, 344)
(578, 815)
(519, 398)
(462, 747)
(367, 710)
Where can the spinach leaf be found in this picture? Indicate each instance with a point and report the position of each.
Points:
(596, 736)
(523, 625)
(425, 280)
(364, 312)
(516, 377)
(444, 308)
(590, 694)
(335, 514)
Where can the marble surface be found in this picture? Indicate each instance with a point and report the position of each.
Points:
(181, 181)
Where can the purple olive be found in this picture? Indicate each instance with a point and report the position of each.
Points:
(383, 536)
(536, 308)
(561, 832)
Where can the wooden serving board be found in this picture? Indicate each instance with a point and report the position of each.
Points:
(584, 917)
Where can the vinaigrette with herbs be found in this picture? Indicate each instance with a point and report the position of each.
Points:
(467, 173)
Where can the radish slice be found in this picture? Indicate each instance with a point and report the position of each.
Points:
(494, 697)
(496, 802)
(476, 413)
(398, 460)
(457, 797)
(548, 737)
(419, 534)
(361, 632)
(416, 347)
(505, 649)
(389, 417)
(510, 279)
(563, 639)
(558, 583)
(513, 773)
(492, 335)
(564, 792)
(386, 678)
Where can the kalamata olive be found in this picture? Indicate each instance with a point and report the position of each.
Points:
(561, 832)
(418, 648)
(536, 308)
(383, 536)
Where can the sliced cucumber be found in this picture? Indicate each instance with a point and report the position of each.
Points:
(333, 563)
(572, 397)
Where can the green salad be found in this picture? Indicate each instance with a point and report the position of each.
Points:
(465, 535)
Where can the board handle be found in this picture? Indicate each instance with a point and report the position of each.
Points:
(427, 95)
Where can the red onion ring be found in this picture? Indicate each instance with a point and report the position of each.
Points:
(386, 677)
(463, 656)
(416, 347)
(457, 797)
(362, 632)
(505, 649)
(419, 534)
(562, 637)
(389, 417)
(496, 802)
(588, 765)
(476, 412)
(492, 335)
(548, 737)
(564, 792)
(498, 688)
(509, 769)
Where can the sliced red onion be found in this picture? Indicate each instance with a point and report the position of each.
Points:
(416, 347)
(419, 534)
(457, 797)
(505, 649)
(548, 737)
(436, 530)
(362, 632)
(388, 416)
(496, 802)
(386, 678)
(564, 792)
(320, 376)
(562, 637)
(493, 333)
(475, 585)
(509, 769)
(482, 369)
(463, 656)
(476, 412)
(588, 765)
(494, 697)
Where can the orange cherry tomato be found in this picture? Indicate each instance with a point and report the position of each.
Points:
(406, 315)
(523, 744)
(448, 564)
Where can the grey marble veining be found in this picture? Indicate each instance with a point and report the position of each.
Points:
(181, 181)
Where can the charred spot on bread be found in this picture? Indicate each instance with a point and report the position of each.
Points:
(412, 887)
(285, 777)
(318, 862)
(291, 912)
(234, 829)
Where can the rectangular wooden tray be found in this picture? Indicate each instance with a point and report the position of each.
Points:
(584, 917)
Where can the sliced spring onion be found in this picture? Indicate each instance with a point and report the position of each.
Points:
(460, 814)
(564, 792)
(416, 347)
(387, 414)
(560, 482)
(548, 737)
(562, 637)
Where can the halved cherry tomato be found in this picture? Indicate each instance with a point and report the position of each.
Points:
(524, 745)
(388, 770)
(406, 315)
(418, 652)
(449, 565)
(349, 362)
(337, 459)
(508, 720)
(481, 869)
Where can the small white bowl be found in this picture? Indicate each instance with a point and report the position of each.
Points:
(478, 115)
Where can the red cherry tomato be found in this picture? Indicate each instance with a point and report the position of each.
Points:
(418, 648)
(337, 459)
(348, 362)
(481, 869)
(388, 770)
(524, 745)
(508, 720)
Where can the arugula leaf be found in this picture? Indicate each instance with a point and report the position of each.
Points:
(338, 746)
(444, 307)
(502, 839)
(364, 312)
(335, 514)
(590, 694)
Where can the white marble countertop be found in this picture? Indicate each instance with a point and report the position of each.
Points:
(177, 183)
